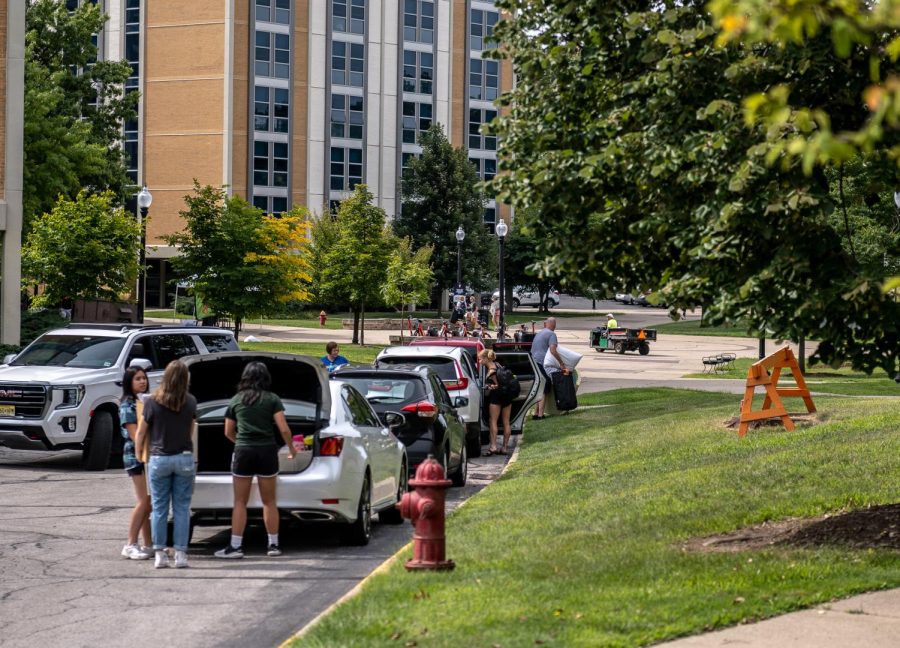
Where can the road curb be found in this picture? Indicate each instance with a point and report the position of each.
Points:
(383, 567)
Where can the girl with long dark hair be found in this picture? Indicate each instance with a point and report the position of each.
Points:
(134, 385)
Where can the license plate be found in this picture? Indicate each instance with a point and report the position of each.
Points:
(7, 410)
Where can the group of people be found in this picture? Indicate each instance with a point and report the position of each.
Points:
(158, 427)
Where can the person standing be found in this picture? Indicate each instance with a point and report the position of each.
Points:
(611, 321)
(545, 342)
(134, 385)
(168, 420)
(499, 405)
(333, 358)
(249, 419)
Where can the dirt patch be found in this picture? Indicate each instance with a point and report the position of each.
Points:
(800, 419)
(875, 527)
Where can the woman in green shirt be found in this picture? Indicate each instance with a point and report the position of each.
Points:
(249, 419)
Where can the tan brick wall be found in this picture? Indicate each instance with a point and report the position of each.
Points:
(3, 5)
(459, 84)
(300, 98)
(240, 98)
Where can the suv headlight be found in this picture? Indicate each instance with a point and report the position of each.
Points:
(71, 396)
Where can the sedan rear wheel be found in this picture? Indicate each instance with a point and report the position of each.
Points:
(359, 533)
(460, 475)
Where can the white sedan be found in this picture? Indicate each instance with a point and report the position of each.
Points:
(351, 467)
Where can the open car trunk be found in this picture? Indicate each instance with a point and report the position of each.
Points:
(531, 383)
(301, 383)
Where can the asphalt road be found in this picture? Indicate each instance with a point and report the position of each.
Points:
(63, 582)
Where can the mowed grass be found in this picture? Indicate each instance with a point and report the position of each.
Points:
(580, 542)
(354, 353)
(693, 327)
(820, 378)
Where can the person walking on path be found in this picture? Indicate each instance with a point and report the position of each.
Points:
(134, 385)
(332, 358)
(248, 424)
(168, 420)
(545, 342)
(500, 405)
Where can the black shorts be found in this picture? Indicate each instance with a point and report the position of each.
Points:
(255, 461)
(548, 384)
(135, 471)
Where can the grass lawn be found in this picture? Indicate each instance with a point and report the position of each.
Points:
(580, 542)
(822, 379)
(692, 327)
(354, 353)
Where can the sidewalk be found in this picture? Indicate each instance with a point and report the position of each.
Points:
(862, 621)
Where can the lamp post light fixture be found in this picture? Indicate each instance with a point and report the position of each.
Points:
(502, 229)
(460, 237)
(144, 200)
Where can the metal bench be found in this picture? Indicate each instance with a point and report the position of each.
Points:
(719, 362)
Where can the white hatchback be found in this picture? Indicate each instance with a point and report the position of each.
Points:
(457, 371)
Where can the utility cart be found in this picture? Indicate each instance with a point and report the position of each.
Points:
(621, 339)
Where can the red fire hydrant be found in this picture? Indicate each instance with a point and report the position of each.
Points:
(322, 318)
(425, 509)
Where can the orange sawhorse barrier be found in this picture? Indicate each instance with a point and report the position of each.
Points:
(766, 373)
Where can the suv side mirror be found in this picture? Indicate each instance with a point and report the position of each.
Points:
(9, 357)
(394, 419)
(143, 363)
(460, 401)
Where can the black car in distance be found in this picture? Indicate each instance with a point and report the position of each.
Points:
(430, 424)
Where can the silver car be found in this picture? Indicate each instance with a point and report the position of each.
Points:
(351, 467)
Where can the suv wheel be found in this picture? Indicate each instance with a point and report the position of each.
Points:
(95, 455)
(473, 440)
(460, 474)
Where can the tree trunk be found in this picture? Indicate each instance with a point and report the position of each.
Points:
(362, 328)
(237, 325)
(401, 323)
(355, 339)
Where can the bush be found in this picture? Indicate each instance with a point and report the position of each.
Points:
(34, 322)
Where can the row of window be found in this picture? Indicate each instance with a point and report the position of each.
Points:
(418, 21)
(276, 11)
(481, 29)
(270, 164)
(348, 16)
(418, 71)
(346, 170)
(273, 55)
(271, 112)
(347, 116)
(478, 141)
(133, 56)
(347, 64)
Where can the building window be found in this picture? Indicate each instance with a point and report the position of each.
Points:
(273, 55)
(271, 204)
(346, 116)
(490, 218)
(133, 56)
(418, 71)
(276, 11)
(346, 168)
(354, 22)
(347, 64)
(486, 168)
(477, 117)
(416, 119)
(270, 109)
(418, 21)
(270, 164)
(405, 159)
(481, 29)
(484, 79)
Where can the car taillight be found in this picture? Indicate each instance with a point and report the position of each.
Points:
(460, 383)
(423, 408)
(331, 446)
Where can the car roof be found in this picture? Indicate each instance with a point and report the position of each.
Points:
(394, 370)
(127, 330)
(450, 342)
(423, 350)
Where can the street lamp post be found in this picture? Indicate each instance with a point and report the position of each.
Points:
(502, 229)
(144, 200)
(460, 236)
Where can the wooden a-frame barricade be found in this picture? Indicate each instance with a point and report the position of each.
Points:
(766, 373)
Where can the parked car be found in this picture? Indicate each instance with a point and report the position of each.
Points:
(453, 364)
(431, 425)
(644, 298)
(525, 297)
(355, 465)
(471, 345)
(625, 298)
(517, 358)
(61, 392)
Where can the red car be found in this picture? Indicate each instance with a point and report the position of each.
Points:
(472, 345)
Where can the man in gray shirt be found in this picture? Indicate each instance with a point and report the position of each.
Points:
(545, 342)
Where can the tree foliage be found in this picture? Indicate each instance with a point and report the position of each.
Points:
(241, 261)
(74, 107)
(82, 249)
(631, 126)
(354, 266)
(408, 277)
(441, 192)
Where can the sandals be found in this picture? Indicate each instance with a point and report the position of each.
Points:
(501, 451)
(489, 452)
(535, 417)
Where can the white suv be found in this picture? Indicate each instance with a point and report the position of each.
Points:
(459, 375)
(61, 392)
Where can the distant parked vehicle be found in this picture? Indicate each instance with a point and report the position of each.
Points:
(524, 297)
(625, 298)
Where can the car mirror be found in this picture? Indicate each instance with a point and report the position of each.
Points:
(460, 401)
(9, 357)
(142, 363)
(394, 419)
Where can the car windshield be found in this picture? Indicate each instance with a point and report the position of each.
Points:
(88, 351)
(444, 367)
(293, 411)
(380, 390)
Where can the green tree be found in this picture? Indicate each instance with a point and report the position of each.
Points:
(75, 107)
(354, 267)
(440, 192)
(628, 125)
(241, 261)
(324, 233)
(408, 278)
(82, 249)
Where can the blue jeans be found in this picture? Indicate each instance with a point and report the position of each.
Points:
(171, 479)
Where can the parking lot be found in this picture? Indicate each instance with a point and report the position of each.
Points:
(63, 582)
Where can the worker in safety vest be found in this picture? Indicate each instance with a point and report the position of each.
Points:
(611, 321)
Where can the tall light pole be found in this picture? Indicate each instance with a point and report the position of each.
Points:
(501, 229)
(144, 200)
(460, 237)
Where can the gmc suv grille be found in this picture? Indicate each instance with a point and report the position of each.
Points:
(28, 401)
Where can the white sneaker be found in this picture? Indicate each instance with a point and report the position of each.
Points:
(180, 559)
(135, 552)
(162, 559)
(127, 549)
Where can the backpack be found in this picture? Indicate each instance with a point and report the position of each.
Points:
(507, 384)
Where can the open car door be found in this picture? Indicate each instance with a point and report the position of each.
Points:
(531, 382)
